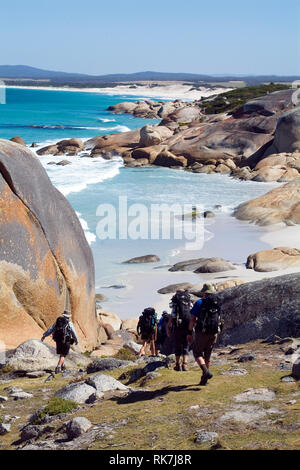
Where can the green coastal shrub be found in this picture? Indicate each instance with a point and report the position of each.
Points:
(231, 100)
(54, 407)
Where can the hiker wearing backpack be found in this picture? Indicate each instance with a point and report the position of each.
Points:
(162, 331)
(178, 326)
(147, 328)
(64, 335)
(206, 319)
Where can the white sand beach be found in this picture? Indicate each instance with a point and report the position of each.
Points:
(163, 90)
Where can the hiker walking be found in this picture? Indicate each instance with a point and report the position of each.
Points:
(178, 326)
(147, 328)
(162, 331)
(64, 335)
(206, 319)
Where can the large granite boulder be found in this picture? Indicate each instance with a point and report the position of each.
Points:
(274, 260)
(203, 265)
(33, 355)
(287, 134)
(279, 205)
(260, 309)
(46, 264)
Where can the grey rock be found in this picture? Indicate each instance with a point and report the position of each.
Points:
(36, 374)
(205, 436)
(79, 392)
(32, 431)
(77, 426)
(21, 395)
(4, 428)
(3, 398)
(235, 372)
(35, 356)
(150, 376)
(105, 383)
(133, 347)
(12, 389)
(143, 259)
(259, 309)
(136, 375)
(108, 363)
(247, 357)
(255, 394)
(152, 366)
(284, 366)
(288, 379)
(247, 414)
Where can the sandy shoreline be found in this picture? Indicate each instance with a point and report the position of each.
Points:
(176, 91)
(232, 240)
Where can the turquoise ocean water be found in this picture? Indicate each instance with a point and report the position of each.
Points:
(46, 116)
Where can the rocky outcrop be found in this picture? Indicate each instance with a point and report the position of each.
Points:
(46, 264)
(274, 260)
(203, 265)
(260, 309)
(143, 259)
(279, 205)
(63, 147)
(287, 134)
(33, 355)
(153, 135)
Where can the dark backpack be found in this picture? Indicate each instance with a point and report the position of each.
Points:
(147, 321)
(210, 318)
(181, 303)
(63, 333)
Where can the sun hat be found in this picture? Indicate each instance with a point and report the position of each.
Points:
(66, 314)
(208, 289)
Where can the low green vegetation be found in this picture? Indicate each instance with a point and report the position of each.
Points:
(54, 407)
(231, 100)
(125, 355)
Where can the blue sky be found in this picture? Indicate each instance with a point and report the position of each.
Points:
(99, 37)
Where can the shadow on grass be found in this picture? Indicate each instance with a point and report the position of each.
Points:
(146, 395)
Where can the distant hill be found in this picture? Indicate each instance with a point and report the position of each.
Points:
(32, 73)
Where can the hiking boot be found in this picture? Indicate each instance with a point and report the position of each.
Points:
(63, 368)
(205, 377)
(57, 370)
(177, 367)
(184, 367)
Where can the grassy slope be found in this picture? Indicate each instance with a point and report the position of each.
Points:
(160, 417)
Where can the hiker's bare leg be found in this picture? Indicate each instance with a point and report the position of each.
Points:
(143, 349)
(152, 347)
(61, 361)
(200, 361)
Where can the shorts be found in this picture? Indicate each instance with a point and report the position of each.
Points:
(148, 337)
(203, 345)
(63, 348)
(180, 342)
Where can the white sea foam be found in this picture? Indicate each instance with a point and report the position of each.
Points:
(90, 236)
(106, 120)
(82, 172)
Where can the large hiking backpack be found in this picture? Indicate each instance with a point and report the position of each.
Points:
(62, 332)
(210, 321)
(147, 321)
(181, 303)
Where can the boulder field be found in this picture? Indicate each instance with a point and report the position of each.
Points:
(46, 264)
(258, 141)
